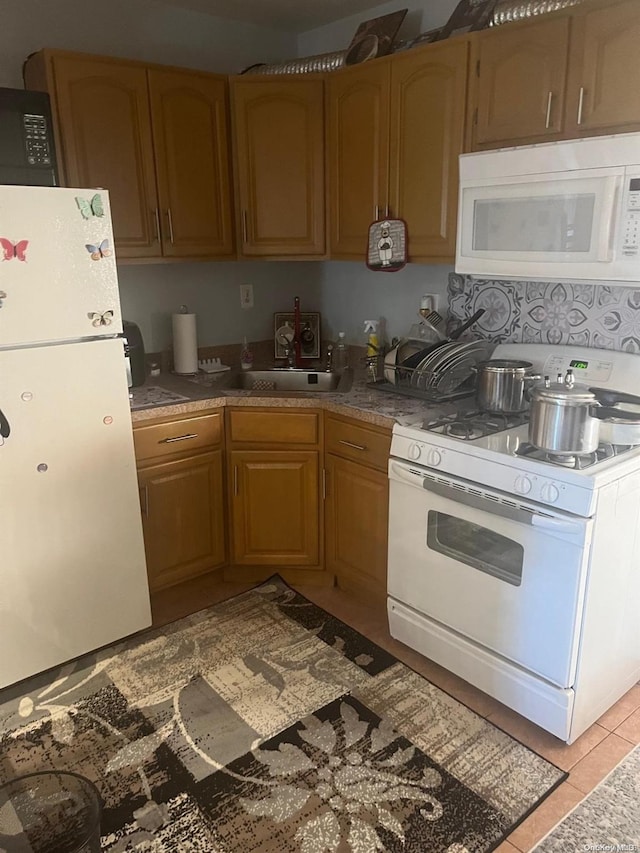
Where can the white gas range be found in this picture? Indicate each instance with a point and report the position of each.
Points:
(519, 574)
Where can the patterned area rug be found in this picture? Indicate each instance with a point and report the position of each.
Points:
(265, 724)
(609, 818)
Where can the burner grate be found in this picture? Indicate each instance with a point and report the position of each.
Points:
(577, 461)
(474, 424)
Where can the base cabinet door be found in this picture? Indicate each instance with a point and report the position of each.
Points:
(182, 506)
(356, 519)
(274, 508)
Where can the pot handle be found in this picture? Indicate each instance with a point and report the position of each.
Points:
(610, 398)
(602, 413)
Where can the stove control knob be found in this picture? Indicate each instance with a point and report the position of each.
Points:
(549, 493)
(523, 485)
(414, 451)
(434, 458)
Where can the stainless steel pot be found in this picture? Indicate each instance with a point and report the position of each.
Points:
(568, 419)
(502, 386)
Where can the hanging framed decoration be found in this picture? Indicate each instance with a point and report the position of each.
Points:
(387, 249)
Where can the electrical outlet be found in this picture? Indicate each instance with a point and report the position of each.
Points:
(246, 295)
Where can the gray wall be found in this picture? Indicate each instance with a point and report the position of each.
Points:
(351, 293)
(151, 293)
(133, 29)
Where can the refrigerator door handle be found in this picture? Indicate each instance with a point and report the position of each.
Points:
(5, 429)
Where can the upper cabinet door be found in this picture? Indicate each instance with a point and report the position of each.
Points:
(279, 136)
(189, 113)
(357, 155)
(105, 129)
(605, 79)
(428, 97)
(521, 82)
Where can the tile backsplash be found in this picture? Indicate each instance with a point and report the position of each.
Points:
(592, 315)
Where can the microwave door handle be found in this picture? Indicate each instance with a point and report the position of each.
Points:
(604, 246)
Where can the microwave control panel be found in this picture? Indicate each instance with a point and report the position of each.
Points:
(631, 230)
(36, 139)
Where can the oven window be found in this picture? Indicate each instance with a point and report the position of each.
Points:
(475, 546)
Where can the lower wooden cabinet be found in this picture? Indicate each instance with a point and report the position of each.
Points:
(356, 518)
(356, 505)
(182, 518)
(274, 508)
(181, 482)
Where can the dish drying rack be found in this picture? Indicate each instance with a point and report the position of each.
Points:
(412, 382)
(448, 373)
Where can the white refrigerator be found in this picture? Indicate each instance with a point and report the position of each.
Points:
(72, 567)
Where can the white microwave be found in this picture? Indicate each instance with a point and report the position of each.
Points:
(560, 210)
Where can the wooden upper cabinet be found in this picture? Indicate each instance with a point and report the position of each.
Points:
(156, 138)
(357, 154)
(279, 147)
(604, 88)
(105, 134)
(428, 99)
(189, 113)
(521, 77)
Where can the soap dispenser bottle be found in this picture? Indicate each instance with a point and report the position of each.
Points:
(246, 356)
(341, 353)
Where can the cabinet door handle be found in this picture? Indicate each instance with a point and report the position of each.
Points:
(186, 437)
(376, 213)
(235, 480)
(170, 225)
(324, 484)
(547, 123)
(145, 503)
(156, 214)
(351, 444)
(386, 212)
(580, 105)
(244, 227)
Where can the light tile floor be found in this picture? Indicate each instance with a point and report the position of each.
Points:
(588, 760)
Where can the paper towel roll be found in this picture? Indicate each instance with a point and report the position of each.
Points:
(185, 343)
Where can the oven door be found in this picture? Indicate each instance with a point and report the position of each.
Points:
(502, 572)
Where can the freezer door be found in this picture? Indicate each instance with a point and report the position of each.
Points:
(52, 287)
(72, 567)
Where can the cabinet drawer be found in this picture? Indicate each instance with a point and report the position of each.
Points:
(183, 436)
(360, 443)
(273, 427)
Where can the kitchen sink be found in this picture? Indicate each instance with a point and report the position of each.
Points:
(292, 379)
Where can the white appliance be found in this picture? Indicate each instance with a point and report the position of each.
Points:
(519, 574)
(561, 210)
(72, 565)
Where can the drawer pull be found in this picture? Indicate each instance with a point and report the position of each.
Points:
(547, 123)
(580, 106)
(186, 437)
(351, 444)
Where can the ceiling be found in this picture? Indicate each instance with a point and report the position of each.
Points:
(296, 16)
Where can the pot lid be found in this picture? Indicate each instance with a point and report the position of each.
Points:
(502, 365)
(563, 395)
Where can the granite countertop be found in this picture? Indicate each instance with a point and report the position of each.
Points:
(166, 395)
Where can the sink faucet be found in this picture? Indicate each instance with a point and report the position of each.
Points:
(296, 331)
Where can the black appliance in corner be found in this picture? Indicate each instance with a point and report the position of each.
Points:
(134, 353)
(27, 148)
